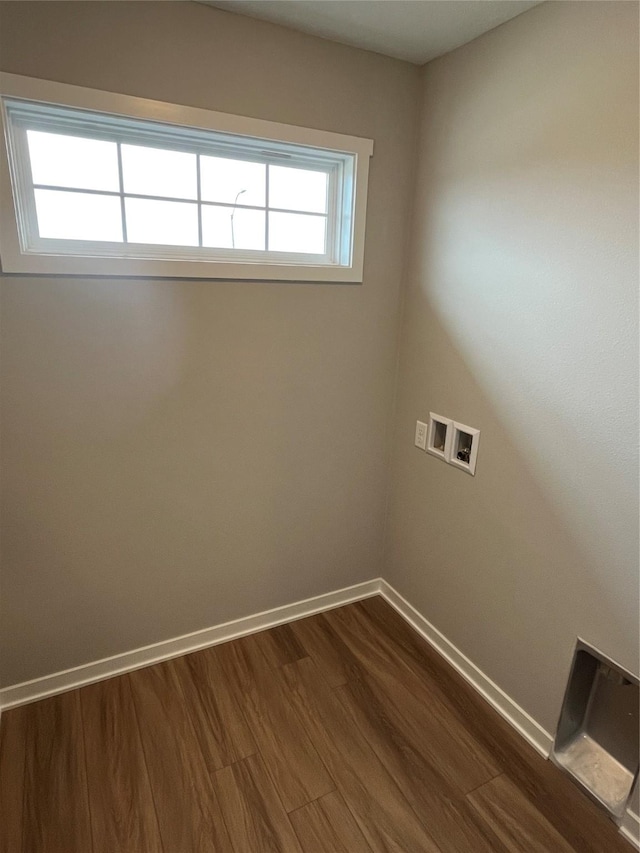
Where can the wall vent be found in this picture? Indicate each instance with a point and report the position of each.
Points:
(597, 738)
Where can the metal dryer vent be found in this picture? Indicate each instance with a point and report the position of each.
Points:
(597, 741)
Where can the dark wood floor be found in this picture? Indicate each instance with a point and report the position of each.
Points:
(341, 733)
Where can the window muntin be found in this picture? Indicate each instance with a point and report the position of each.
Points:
(233, 204)
(174, 193)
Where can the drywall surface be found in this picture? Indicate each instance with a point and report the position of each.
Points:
(181, 453)
(521, 319)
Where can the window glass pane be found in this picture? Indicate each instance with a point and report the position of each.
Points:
(297, 189)
(232, 181)
(291, 232)
(78, 216)
(244, 231)
(170, 223)
(72, 161)
(153, 171)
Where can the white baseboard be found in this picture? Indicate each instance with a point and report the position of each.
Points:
(69, 679)
(497, 698)
(630, 828)
(60, 682)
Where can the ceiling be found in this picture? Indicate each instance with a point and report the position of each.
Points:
(414, 30)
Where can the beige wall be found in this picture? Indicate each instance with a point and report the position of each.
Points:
(180, 453)
(520, 319)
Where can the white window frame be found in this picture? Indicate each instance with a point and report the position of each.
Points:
(22, 251)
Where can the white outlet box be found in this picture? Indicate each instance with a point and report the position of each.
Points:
(421, 435)
(463, 450)
(439, 436)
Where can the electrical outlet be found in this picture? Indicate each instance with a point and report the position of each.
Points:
(421, 435)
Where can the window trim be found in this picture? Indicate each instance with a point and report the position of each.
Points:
(182, 264)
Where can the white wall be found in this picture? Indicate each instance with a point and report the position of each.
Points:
(521, 319)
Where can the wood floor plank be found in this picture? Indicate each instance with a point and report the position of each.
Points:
(188, 811)
(321, 644)
(243, 664)
(352, 700)
(281, 645)
(446, 685)
(406, 752)
(573, 815)
(253, 812)
(217, 718)
(383, 814)
(293, 762)
(56, 803)
(518, 824)
(327, 826)
(444, 741)
(12, 758)
(123, 817)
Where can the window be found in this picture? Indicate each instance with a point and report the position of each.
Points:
(107, 184)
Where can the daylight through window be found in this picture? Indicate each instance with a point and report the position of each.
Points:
(89, 184)
(90, 189)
